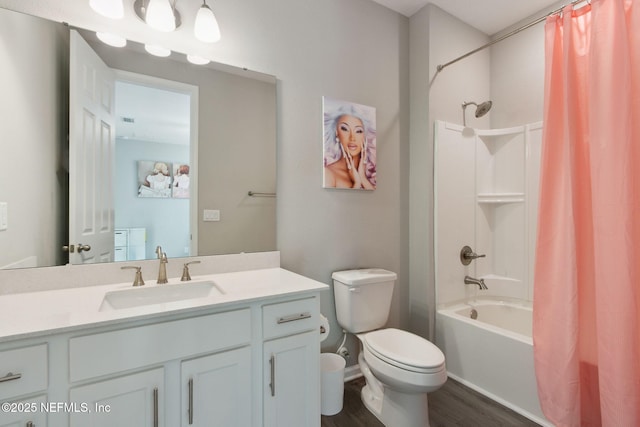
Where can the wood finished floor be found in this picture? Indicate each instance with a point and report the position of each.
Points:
(451, 405)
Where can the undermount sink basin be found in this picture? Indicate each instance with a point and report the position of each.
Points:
(158, 294)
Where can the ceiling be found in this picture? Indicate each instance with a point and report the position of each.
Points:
(488, 16)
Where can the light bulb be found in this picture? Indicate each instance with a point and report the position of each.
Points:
(160, 16)
(206, 28)
(113, 9)
(112, 39)
(157, 50)
(197, 60)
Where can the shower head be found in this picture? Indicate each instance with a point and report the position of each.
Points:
(481, 109)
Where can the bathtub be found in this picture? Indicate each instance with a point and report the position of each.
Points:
(492, 354)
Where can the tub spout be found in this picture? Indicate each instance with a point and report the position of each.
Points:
(468, 280)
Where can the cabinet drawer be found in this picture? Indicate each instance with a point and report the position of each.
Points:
(109, 352)
(23, 412)
(23, 370)
(121, 238)
(290, 317)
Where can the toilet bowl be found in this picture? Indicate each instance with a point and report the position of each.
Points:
(400, 368)
(404, 361)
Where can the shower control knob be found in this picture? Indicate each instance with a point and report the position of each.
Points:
(467, 255)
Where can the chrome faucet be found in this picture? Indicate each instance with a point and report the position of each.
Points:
(185, 271)
(162, 272)
(138, 281)
(468, 280)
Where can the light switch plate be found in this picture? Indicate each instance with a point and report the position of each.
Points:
(211, 215)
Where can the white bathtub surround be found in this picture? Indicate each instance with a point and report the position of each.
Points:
(486, 197)
(494, 353)
(494, 175)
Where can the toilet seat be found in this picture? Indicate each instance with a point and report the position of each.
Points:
(405, 350)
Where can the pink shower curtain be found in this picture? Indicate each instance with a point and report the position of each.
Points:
(587, 275)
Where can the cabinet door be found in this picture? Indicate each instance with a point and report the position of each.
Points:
(292, 381)
(135, 400)
(25, 412)
(217, 390)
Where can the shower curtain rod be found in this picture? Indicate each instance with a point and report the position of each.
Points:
(514, 32)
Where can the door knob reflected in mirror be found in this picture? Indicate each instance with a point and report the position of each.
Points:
(76, 248)
(467, 255)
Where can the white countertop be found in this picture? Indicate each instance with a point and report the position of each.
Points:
(32, 314)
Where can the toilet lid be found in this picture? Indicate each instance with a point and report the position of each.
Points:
(404, 349)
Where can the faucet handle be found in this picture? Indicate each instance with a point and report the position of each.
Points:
(137, 281)
(185, 271)
(467, 255)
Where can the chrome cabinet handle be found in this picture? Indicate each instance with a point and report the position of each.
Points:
(155, 407)
(190, 401)
(294, 317)
(10, 377)
(272, 385)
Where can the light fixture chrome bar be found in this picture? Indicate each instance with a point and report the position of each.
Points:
(511, 33)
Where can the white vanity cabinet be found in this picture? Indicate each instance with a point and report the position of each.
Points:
(143, 398)
(23, 372)
(130, 400)
(247, 359)
(20, 416)
(291, 354)
(217, 390)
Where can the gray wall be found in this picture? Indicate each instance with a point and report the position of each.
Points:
(33, 134)
(436, 96)
(517, 74)
(356, 51)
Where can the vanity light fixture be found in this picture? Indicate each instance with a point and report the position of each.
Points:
(206, 27)
(161, 15)
(112, 39)
(197, 60)
(156, 50)
(113, 9)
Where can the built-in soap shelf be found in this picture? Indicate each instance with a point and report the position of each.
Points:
(498, 138)
(500, 198)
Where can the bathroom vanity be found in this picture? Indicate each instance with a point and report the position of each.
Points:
(228, 349)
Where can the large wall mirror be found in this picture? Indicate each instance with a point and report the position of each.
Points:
(210, 126)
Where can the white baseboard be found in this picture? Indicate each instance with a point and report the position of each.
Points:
(352, 372)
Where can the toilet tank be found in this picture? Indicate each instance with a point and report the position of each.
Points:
(363, 298)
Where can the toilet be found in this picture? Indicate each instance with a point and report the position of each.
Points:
(399, 367)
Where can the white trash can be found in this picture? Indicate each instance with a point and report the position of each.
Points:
(332, 383)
